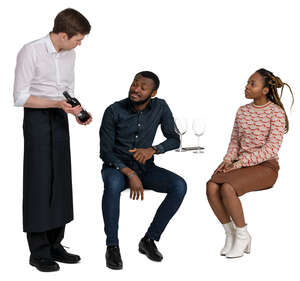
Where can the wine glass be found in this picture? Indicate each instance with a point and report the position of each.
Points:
(199, 129)
(181, 126)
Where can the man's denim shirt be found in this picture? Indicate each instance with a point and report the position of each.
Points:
(123, 129)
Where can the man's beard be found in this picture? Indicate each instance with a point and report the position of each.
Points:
(141, 102)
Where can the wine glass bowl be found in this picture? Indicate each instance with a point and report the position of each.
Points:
(199, 129)
(181, 126)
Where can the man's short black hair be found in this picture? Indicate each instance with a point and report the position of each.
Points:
(152, 76)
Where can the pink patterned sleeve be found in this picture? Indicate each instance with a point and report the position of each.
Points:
(234, 147)
(270, 149)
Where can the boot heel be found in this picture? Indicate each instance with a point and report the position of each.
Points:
(248, 248)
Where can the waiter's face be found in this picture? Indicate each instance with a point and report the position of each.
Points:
(73, 42)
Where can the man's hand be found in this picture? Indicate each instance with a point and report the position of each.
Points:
(136, 187)
(142, 154)
(66, 107)
(86, 122)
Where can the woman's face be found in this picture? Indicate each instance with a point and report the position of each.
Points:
(255, 87)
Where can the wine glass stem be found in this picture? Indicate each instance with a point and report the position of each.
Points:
(180, 148)
(199, 142)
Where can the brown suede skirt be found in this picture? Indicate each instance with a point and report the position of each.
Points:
(246, 179)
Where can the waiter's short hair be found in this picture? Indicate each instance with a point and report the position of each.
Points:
(152, 76)
(71, 22)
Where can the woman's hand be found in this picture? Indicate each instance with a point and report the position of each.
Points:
(232, 167)
(222, 166)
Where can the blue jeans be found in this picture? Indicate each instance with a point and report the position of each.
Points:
(154, 178)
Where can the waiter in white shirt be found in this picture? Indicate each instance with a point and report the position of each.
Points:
(44, 70)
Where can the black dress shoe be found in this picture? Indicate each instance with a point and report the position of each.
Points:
(44, 264)
(61, 255)
(113, 257)
(148, 248)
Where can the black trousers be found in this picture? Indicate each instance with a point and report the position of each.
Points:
(41, 243)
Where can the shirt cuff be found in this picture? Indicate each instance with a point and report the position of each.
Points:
(237, 164)
(159, 149)
(21, 99)
(227, 159)
(118, 166)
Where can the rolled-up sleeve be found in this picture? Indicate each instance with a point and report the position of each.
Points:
(24, 74)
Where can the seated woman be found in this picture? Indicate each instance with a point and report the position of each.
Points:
(251, 162)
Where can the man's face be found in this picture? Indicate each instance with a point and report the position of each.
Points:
(141, 90)
(71, 43)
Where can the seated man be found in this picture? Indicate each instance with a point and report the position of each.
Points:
(127, 131)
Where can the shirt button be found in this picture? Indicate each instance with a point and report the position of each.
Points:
(136, 136)
(139, 125)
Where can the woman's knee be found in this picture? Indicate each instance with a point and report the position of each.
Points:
(227, 190)
(212, 189)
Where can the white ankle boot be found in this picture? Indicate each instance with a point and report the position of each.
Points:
(241, 244)
(230, 235)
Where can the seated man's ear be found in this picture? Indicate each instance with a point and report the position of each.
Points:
(153, 94)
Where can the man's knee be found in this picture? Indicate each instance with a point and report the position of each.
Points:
(179, 187)
(113, 182)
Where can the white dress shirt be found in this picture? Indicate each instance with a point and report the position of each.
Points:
(43, 72)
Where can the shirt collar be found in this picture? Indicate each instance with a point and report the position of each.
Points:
(261, 106)
(132, 109)
(49, 45)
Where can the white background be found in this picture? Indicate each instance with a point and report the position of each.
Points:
(203, 52)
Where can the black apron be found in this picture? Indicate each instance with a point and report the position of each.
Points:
(47, 185)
